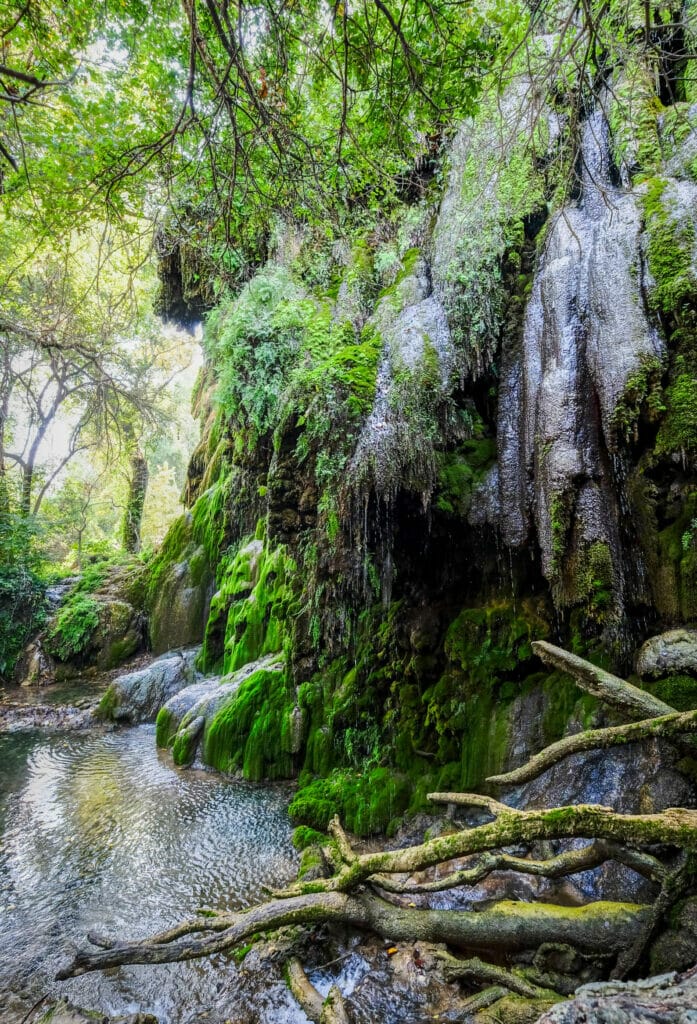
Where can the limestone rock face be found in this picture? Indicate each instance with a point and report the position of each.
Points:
(669, 998)
(138, 696)
(674, 652)
(182, 585)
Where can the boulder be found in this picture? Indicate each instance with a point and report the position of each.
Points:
(138, 696)
(671, 653)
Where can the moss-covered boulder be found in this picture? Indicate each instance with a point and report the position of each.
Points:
(239, 722)
(98, 625)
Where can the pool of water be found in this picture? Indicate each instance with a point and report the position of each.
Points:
(98, 830)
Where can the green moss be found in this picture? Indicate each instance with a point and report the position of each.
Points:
(183, 749)
(671, 241)
(250, 733)
(107, 706)
(642, 397)
(73, 627)
(459, 473)
(165, 728)
(366, 803)
(491, 641)
(560, 523)
(303, 837)
(678, 431)
(679, 691)
(251, 613)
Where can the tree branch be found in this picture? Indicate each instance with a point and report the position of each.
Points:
(614, 691)
(666, 727)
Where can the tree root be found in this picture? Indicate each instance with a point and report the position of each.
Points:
(506, 926)
(323, 1011)
(675, 827)
(478, 971)
(674, 886)
(561, 866)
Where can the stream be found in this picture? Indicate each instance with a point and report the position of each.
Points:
(97, 830)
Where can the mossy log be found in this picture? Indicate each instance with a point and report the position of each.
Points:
(616, 692)
(665, 727)
(507, 927)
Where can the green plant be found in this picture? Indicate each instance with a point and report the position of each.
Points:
(74, 626)
(22, 603)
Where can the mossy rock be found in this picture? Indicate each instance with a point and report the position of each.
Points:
(367, 803)
(493, 641)
(179, 588)
(93, 631)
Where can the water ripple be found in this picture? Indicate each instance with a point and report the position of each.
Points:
(100, 831)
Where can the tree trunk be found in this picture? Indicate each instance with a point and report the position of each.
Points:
(133, 517)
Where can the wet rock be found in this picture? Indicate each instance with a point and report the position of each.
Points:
(669, 998)
(16, 717)
(66, 1013)
(138, 696)
(674, 652)
(560, 388)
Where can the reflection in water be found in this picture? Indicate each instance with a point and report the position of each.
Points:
(98, 831)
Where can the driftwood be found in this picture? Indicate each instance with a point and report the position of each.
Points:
(363, 890)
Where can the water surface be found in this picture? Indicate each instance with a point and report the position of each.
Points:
(98, 830)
